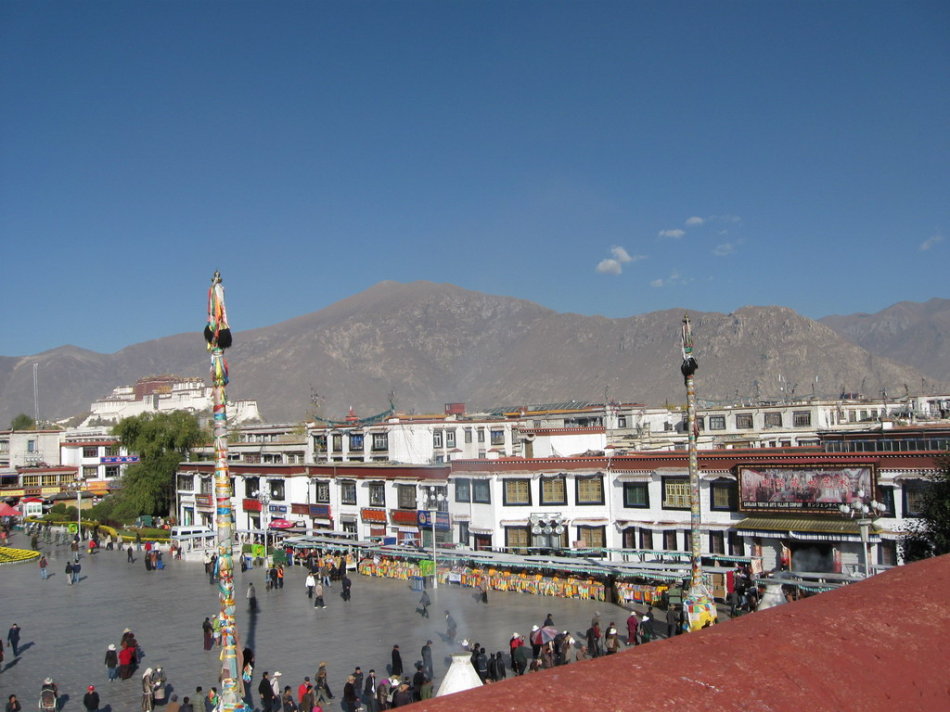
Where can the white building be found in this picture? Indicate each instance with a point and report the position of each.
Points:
(163, 394)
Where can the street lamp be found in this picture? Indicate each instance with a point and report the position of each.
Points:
(434, 502)
(866, 514)
(264, 499)
(77, 485)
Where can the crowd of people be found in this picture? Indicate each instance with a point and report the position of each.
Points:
(543, 646)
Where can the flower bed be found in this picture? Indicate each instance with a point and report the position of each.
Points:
(17, 556)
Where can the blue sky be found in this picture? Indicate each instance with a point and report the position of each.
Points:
(608, 158)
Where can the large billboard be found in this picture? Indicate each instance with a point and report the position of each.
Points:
(799, 488)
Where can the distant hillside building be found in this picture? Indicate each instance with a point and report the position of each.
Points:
(164, 393)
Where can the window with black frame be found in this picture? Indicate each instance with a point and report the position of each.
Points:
(675, 493)
(463, 489)
(406, 496)
(592, 537)
(554, 490)
(723, 496)
(589, 490)
(380, 441)
(518, 538)
(347, 492)
(481, 491)
(377, 494)
(636, 495)
(915, 493)
(277, 489)
(517, 492)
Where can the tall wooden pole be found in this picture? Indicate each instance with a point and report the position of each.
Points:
(218, 336)
(700, 606)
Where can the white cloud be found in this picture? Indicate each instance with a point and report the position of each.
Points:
(697, 221)
(675, 234)
(620, 254)
(674, 279)
(609, 266)
(930, 242)
(726, 248)
(614, 265)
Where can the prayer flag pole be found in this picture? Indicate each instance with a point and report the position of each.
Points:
(218, 335)
(700, 608)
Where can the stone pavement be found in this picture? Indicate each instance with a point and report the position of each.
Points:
(66, 629)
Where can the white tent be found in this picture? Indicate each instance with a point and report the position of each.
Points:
(460, 676)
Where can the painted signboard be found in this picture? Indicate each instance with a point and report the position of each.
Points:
(442, 522)
(799, 488)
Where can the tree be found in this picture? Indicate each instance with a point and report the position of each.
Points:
(162, 441)
(22, 422)
(929, 534)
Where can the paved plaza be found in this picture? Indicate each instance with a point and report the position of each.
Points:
(66, 629)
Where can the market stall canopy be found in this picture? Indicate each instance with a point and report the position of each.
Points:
(282, 524)
(7, 511)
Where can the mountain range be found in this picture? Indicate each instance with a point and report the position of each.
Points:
(429, 344)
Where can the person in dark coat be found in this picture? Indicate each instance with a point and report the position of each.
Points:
(450, 627)
(481, 664)
(424, 603)
(91, 699)
(347, 585)
(492, 670)
(369, 691)
(500, 673)
(266, 692)
(350, 700)
(520, 659)
(112, 662)
(672, 618)
(13, 638)
(417, 681)
(208, 632)
(427, 659)
(397, 662)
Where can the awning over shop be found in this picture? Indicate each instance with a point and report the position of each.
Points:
(804, 528)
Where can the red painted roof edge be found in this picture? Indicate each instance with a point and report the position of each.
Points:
(876, 646)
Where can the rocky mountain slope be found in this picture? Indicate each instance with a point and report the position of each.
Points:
(908, 332)
(436, 343)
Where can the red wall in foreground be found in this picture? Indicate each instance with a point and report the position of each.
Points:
(882, 644)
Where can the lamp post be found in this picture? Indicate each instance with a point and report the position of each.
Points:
(264, 499)
(434, 501)
(77, 485)
(866, 513)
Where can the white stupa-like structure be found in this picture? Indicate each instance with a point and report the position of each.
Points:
(460, 676)
(771, 597)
